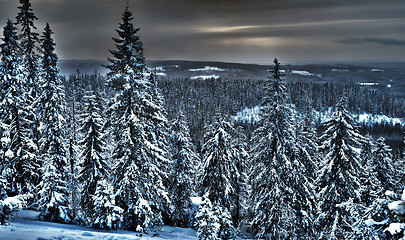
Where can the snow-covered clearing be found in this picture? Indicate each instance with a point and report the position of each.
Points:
(368, 84)
(252, 115)
(207, 68)
(305, 73)
(377, 70)
(204, 77)
(25, 227)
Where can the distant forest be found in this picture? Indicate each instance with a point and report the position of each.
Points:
(202, 99)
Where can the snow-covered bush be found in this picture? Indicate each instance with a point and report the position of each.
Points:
(397, 228)
(106, 214)
(207, 223)
(9, 206)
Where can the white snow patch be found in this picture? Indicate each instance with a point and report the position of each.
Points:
(340, 70)
(160, 74)
(305, 73)
(391, 194)
(207, 68)
(397, 206)
(161, 69)
(204, 77)
(377, 70)
(389, 85)
(395, 228)
(371, 222)
(368, 118)
(247, 115)
(34, 230)
(9, 154)
(196, 201)
(368, 84)
(250, 115)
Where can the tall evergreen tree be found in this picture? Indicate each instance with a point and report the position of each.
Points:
(18, 166)
(240, 156)
(54, 193)
(339, 179)
(280, 202)
(182, 174)
(30, 42)
(137, 156)
(219, 168)
(382, 165)
(94, 166)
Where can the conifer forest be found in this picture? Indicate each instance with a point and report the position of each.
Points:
(136, 150)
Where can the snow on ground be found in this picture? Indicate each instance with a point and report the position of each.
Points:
(207, 68)
(204, 77)
(160, 69)
(305, 73)
(252, 115)
(368, 84)
(196, 201)
(25, 227)
(340, 70)
(377, 70)
(247, 115)
(160, 74)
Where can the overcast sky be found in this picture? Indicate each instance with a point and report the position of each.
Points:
(250, 31)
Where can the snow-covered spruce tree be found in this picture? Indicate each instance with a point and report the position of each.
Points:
(281, 195)
(29, 43)
(382, 165)
(307, 138)
(94, 166)
(105, 213)
(241, 156)
(18, 166)
(53, 202)
(226, 230)
(207, 222)
(74, 108)
(219, 170)
(137, 157)
(339, 179)
(29, 40)
(182, 173)
(370, 185)
(366, 153)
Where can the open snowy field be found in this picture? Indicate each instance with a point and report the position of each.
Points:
(25, 227)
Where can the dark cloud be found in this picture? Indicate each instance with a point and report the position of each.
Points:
(228, 30)
(366, 40)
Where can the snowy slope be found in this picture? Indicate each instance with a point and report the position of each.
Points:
(24, 227)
